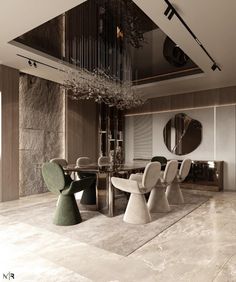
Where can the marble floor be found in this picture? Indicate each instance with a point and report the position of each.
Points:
(201, 246)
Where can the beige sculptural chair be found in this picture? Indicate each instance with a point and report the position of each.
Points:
(136, 211)
(173, 192)
(83, 161)
(59, 161)
(157, 201)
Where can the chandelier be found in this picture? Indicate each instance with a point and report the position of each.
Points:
(101, 87)
(99, 35)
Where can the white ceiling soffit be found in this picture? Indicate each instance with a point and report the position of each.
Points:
(213, 22)
(20, 16)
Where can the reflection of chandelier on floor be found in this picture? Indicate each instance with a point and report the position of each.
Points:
(98, 35)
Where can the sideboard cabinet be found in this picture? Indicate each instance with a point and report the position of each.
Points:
(205, 175)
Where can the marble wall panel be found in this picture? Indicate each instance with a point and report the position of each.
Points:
(42, 130)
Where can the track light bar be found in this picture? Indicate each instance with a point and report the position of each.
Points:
(170, 12)
(34, 63)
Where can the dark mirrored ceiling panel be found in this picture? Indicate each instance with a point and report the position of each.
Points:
(160, 59)
(114, 35)
(47, 38)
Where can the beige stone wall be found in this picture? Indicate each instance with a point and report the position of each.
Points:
(42, 130)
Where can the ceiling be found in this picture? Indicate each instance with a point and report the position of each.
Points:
(213, 22)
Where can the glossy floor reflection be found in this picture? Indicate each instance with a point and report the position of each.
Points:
(199, 247)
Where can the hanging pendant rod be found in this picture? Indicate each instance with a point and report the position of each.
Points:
(170, 12)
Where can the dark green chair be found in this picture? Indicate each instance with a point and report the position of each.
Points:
(89, 195)
(159, 159)
(67, 211)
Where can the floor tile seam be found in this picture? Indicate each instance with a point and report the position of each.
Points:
(59, 265)
(166, 228)
(26, 206)
(43, 230)
(222, 267)
(36, 205)
(76, 242)
(28, 253)
(65, 236)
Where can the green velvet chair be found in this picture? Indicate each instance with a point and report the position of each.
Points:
(159, 159)
(67, 211)
(89, 195)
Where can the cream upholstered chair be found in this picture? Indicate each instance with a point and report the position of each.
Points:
(157, 201)
(136, 210)
(173, 192)
(104, 161)
(61, 162)
(83, 161)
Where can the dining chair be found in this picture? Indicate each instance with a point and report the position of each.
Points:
(137, 211)
(83, 161)
(67, 211)
(61, 162)
(89, 195)
(159, 159)
(104, 161)
(157, 201)
(173, 191)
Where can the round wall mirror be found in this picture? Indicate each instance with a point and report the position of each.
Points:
(182, 134)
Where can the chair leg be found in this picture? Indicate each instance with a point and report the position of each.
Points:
(157, 201)
(174, 194)
(89, 196)
(67, 211)
(136, 211)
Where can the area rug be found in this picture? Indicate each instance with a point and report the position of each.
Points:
(111, 234)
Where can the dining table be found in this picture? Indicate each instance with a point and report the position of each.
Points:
(105, 192)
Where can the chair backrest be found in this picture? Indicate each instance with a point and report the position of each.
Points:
(61, 162)
(104, 161)
(184, 168)
(82, 161)
(151, 174)
(53, 176)
(170, 171)
(159, 159)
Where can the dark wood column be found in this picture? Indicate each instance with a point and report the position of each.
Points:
(9, 150)
(81, 130)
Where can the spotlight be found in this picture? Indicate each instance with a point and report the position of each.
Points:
(35, 65)
(169, 12)
(30, 63)
(215, 66)
(171, 15)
